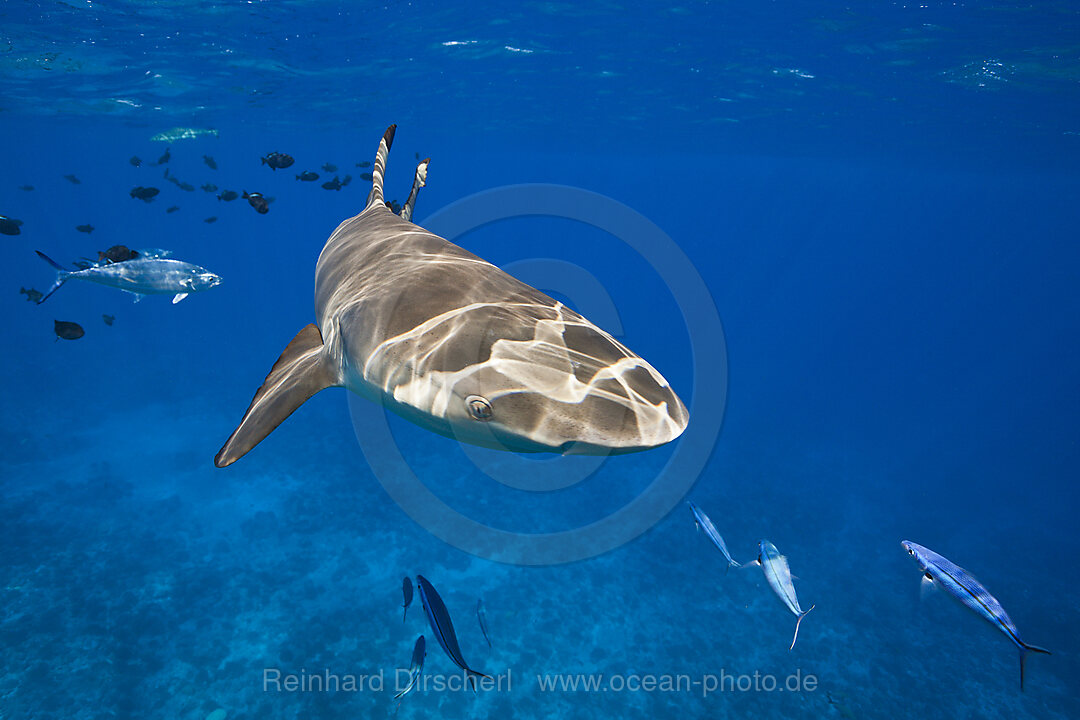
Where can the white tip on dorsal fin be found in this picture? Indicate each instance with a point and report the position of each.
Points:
(178, 297)
(378, 171)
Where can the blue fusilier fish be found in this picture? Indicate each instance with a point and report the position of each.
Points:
(416, 667)
(706, 525)
(481, 617)
(406, 591)
(148, 274)
(779, 576)
(439, 618)
(962, 586)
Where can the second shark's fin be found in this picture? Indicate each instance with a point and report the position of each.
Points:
(297, 375)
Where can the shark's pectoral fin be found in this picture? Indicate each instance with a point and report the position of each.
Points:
(178, 297)
(298, 374)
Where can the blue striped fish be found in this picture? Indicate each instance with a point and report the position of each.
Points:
(706, 525)
(439, 618)
(961, 585)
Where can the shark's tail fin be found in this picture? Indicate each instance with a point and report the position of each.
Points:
(798, 622)
(61, 276)
(419, 181)
(297, 375)
(378, 171)
(1024, 650)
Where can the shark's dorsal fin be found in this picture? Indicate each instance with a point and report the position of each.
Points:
(378, 171)
(297, 375)
(419, 180)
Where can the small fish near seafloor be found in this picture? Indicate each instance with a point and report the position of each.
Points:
(210, 162)
(67, 330)
(308, 176)
(228, 195)
(148, 274)
(940, 571)
(481, 617)
(416, 666)
(85, 228)
(705, 525)
(439, 619)
(109, 319)
(777, 573)
(407, 594)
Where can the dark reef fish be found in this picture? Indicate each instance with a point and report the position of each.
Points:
(210, 162)
(117, 253)
(31, 294)
(85, 228)
(146, 194)
(439, 619)
(406, 591)
(228, 195)
(481, 617)
(364, 164)
(73, 180)
(135, 161)
(10, 226)
(367, 177)
(308, 176)
(278, 161)
(26, 188)
(328, 167)
(334, 184)
(67, 330)
(958, 582)
(165, 157)
(109, 319)
(257, 201)
(210, 220)
(172, 208)
(209, 187)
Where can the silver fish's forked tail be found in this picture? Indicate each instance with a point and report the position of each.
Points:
(419, 180)
(297, 375)
(61, 277)
(378, 171)
(798, 622)
(1024, 650)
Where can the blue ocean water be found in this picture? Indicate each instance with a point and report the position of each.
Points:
(880, 202)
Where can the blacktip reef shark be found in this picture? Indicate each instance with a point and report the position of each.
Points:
(150, 273)
(456, 345)
(959, 583)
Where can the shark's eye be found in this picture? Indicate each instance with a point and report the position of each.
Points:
(479, 408)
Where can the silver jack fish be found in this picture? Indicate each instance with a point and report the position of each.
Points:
(779, 576)
(439, 618)
(961, 585)
(705, 525)
(416, 667)
(148, 274)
